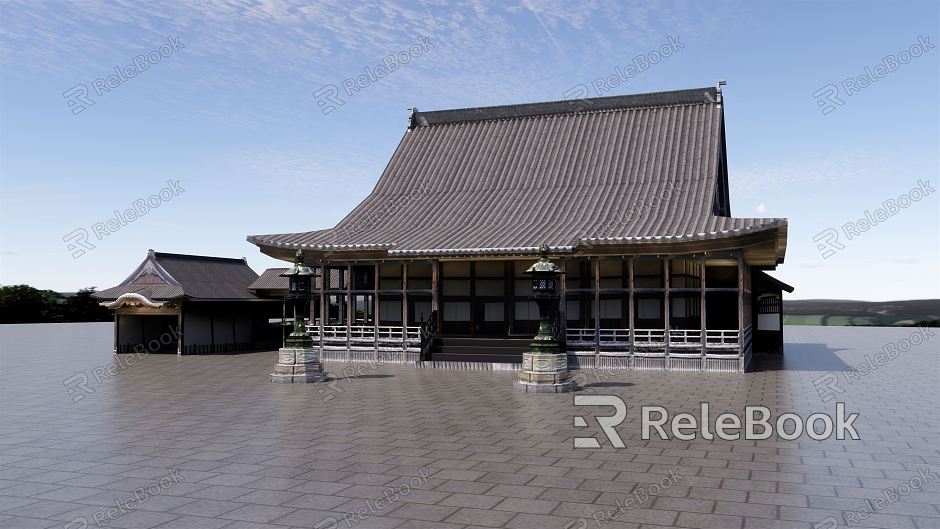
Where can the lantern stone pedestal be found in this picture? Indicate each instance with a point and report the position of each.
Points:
(544, 373)
(298, 361)
(298, 365)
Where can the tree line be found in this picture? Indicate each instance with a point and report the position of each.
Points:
(25, 304)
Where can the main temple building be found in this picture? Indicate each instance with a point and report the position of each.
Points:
(630, 193)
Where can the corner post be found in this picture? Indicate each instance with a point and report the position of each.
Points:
(702, 314)
(324, 279)
(377, 308)
(404, 308)
(740, 312)
(666, 302)
(350, 310)
(563, 306)
(631, 309)
(179, 332)
(435, 287)
(597, 310)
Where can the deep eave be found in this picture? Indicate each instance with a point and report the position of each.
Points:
(763, 247)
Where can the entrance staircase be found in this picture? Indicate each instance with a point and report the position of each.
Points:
(479, 349)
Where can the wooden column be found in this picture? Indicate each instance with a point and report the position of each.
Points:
(179, 332)
(348, 307)
(404, 306)
(701, 261)
(436, 293)
(117, 331)
(377, 307)
(597, 310)
(473, 297)
(631, 308)
(435, 282)
(563, 307)
(212, 329)
(740, 312)
(666, 303)
(324, 281)
(509, 287)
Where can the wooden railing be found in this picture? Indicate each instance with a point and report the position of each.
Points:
(615, 336)
(649, 336)
(685, 337)
(654, 337)
(722, 338)
(365, 334)
(580, 336)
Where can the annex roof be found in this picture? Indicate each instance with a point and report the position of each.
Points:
(163, 276)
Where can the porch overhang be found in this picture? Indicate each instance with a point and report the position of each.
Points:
(765, 246)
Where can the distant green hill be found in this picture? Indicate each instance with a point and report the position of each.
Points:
(866, 313)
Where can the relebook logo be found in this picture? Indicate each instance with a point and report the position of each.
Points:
(758, 422)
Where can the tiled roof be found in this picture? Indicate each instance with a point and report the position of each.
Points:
(270, 279)
(616, 170)
(165, 276)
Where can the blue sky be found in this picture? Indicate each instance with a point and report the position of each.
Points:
(230, 113)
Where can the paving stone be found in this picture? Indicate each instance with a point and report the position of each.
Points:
(20, 522)
(418, 511)
(195, 522)
(206, 507)
(483, 517)
(477, 501)
(709, 521)
(793, 500)
(268, 497)
(257, 513)
(314, 501)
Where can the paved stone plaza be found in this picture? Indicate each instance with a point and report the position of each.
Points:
(399, 447)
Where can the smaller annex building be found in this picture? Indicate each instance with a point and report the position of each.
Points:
(193, 304)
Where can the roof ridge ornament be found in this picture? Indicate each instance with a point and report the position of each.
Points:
(543, 264)
(299, 269)
(543, 251)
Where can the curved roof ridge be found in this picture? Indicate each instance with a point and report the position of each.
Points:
(694, 96)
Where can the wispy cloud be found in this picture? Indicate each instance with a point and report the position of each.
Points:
(276, 51)
(548, 32)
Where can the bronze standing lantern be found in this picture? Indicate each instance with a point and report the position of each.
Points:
(545, 276)
(300, 279)
(545, 365)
